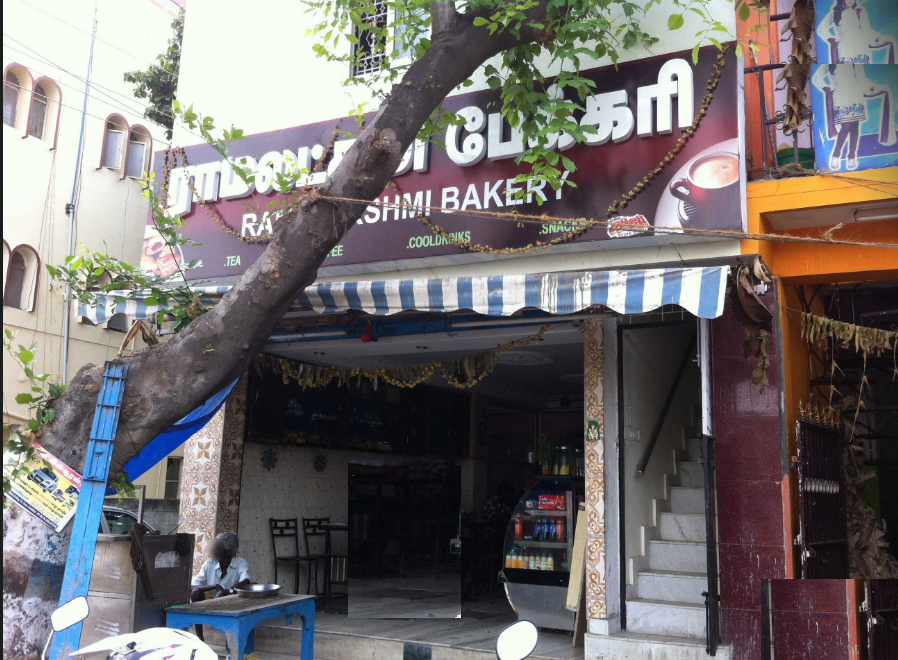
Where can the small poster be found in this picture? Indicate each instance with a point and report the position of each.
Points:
(855, 116)
(48, 488)
(846, 32)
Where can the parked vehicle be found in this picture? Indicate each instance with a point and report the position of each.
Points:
(59, 497)
(45, 478)
(517, 641)
(153, 642)
(72, 492)
(121, 521)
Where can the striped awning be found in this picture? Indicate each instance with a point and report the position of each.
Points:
(699, 291)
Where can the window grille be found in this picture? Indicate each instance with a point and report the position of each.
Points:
(368, 54)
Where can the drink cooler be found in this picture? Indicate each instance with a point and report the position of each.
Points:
(535, 595)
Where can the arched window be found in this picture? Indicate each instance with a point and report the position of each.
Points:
(17, 86)
(114, 143)
(6, 254)
(15, 281)
(38, 119)
(43, 115)
(139, 147)
(21, 278)
(10, 98)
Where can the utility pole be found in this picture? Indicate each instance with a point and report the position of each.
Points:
(70, 209)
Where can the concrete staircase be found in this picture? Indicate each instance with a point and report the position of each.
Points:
(665, 606)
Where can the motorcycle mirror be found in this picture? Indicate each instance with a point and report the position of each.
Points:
(66, 616)
(517, 641)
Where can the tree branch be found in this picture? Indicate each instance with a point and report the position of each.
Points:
(167, 382)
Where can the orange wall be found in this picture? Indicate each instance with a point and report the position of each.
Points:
(808, 263)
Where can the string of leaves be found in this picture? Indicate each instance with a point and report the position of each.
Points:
(462, 373)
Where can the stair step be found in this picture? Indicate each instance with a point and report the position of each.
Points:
(682, 527)
(693, 449)
(663, 618)
(691, 474)
(687, 500)
(672, 586)
(686, 556)
(629, 645)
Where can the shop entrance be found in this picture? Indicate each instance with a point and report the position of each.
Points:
(368, 456)
(663, 527)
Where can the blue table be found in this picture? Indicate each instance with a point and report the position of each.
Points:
(238, 617)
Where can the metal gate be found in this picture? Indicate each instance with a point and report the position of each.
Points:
(882, 619)
(823, 537)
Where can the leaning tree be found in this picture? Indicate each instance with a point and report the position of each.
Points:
(449, 42)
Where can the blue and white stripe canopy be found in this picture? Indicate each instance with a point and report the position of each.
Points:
(699, 291)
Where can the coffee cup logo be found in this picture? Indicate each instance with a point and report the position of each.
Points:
(708, 181)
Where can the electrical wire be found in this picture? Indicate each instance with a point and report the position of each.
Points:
(80, 111)
(98, 86)
(108, 43)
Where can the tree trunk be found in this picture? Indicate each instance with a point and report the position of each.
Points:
(168, 381)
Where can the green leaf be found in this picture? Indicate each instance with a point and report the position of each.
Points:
(25, 356)
(738, 49)
(480, 21)
(49, 416)
(744, 12)
(695, 54)
(24, 397)
(675, 22)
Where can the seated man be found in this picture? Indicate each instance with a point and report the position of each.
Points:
(222, 572)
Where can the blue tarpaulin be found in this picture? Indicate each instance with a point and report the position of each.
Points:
(174, 436)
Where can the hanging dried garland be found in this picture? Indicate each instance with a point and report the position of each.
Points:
(867, 548)
(462, 372)
(587, 223)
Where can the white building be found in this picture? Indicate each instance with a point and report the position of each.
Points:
(71, 166)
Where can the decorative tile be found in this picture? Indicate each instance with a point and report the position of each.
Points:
(593, 422)
(210, 480)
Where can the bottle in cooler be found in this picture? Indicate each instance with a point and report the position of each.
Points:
(537, 529)
(550, 561)
(550, 532)
(518, 528)
(559, 530)
(544, 562)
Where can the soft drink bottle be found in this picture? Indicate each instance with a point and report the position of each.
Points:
(537, 530)
(544, 562)
(509, 559)
(518, 528)
(550, 562)
(550, 533)
(559, 531)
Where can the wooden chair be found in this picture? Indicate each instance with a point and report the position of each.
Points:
(288, 528)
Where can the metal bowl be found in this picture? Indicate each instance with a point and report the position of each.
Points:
(259, 591)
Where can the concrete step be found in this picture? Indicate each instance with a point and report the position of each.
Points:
(687, 500)
(682, 556)
(693, 449)
(691, 475)
(672, 586)
(629, 645)
(682, 526)
(659, 617)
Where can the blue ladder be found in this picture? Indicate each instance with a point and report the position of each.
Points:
(83, 542)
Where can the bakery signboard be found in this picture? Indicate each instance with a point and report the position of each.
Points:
(640, 110)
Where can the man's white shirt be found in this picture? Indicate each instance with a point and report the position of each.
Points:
(210, 574)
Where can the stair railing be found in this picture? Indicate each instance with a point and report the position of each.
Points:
(668, 401)
(712, 595)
